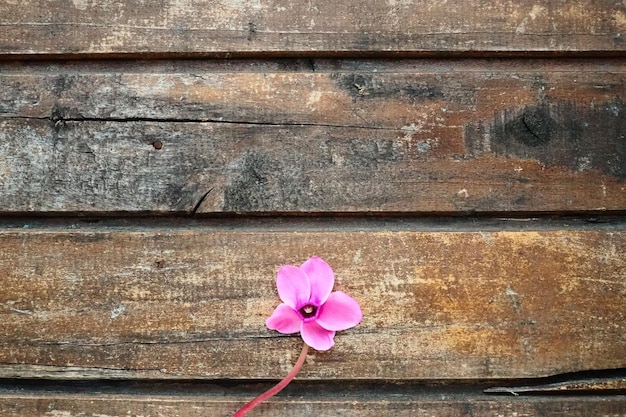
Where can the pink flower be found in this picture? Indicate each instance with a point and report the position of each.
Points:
(309, 306)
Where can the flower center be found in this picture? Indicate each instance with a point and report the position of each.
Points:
(308, 311)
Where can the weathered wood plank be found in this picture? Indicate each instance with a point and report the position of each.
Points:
(384, 94)
(179, 303)
(38, 27)
(165, 167)
(351, 136)
(25, 405)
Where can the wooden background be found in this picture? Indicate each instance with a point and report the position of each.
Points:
(461, 166)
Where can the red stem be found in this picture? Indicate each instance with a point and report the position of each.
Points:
(276, 388)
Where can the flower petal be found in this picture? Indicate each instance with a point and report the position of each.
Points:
(293, 286)
(321, 277)
(317, 337)
(284, 319)
(339, 312)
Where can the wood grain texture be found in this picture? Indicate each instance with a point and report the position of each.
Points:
(111, 107)
(414, 136)
(38, 27)
(179, 303)
(24, 405)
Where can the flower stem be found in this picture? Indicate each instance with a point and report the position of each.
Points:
(276, 388)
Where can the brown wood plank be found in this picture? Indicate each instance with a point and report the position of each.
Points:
(366, 93)
(32, 405)
(415, 136)
(38, 27)
(191, 303)
(115, 166)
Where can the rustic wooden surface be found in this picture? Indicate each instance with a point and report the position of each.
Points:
(419, 112)
(302, 136)
(38, 27)
(55, 404)
(180, 303)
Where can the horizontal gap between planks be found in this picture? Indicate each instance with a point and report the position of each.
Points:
(319, 221)
(335, 389)
(252, 55)
(323, 64)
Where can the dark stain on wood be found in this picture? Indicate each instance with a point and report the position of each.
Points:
(534, 127)
(264, 182)
(369, 86)
(249, 188)
(289, 180)
(62, 83)
(559, 134)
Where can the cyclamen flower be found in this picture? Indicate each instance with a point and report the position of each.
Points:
(311, 308)
(309, 305)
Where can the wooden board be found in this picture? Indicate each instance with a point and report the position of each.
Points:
(24, 405)
(149, 191)
(38, 27)
(190, 303)
(320, 136)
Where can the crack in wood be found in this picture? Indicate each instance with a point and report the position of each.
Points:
(195, 208)
(159, 342)
(61, 120)
(74, 368)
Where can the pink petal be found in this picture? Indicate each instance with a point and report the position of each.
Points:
(321, 277)
(284, 319)
(293, 286)
(339, 312)
(317, 337)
